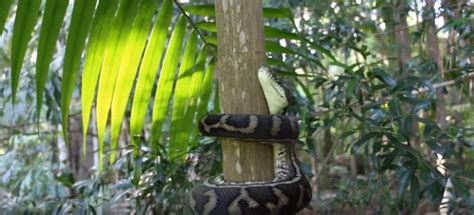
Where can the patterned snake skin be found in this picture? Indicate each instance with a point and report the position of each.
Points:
(288, 193)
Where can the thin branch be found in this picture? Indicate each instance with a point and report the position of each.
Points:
(190, 20)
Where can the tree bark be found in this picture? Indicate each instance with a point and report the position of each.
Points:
(241, 53)
(435, 57)
(402, 36)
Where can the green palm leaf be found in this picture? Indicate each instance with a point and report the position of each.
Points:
(81, 19)
(148, 68)
(192, 104)
(114, 55)
(4, 9)
(25, 20)
(179, 136)
(134, 49)
(52, 19)
(166, 79)
(100, 33)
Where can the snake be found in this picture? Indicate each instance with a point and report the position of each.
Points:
(288, 192)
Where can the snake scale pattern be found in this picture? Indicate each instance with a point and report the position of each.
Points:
(288, 192)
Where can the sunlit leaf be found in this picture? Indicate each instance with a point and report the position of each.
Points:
(25, 19)
(166, 79)
(134, 47)
(178, 135)
(201, 10)
(196, 87)
(80, 22)
(148, 68)
(95, 51)
(54, 12)
(114, 56)
(206, 90)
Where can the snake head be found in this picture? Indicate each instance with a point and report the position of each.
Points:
(275, 92)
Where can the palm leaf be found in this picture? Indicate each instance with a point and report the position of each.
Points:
(192, 103)
(100, 33)
(166, 79)
(52, 19)
(134, 48)
(114, 55)
(179, 136)
(80, 22)
(25, 20)
(4, 9)
(148, 68)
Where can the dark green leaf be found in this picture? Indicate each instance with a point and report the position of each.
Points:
(4, 9)
(405, 180)
(25, 20)
(54, 12)
(364, 140)
(414, 192)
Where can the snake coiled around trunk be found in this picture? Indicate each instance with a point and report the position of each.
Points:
(288, 192)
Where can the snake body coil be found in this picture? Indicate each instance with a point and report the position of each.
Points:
(289, 191)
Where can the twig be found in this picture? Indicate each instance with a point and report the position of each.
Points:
(190, 20)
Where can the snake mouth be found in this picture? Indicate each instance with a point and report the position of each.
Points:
(275, 94)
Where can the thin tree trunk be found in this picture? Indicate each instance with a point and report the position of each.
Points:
(402, 36)
(241, 53)
(435, 57)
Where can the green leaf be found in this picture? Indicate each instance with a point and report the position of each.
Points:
(405, 180)
(134, 47)
(148, 68)
(275, 47)
(395, 107)
(277, 13)
(196, 87)
(166, 79)
(25, 20)
(424, 104)
(178, 135)
(54, 12)
(271, 32)
(207, 26)
(82, 14)
(206, 90)
(114, 56)
(100, 33)
(384, 77)
(414, 192)
(460, 187)
(4, 9)
(201, 10)
(364, 140)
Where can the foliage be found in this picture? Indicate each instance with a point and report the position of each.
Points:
(29, 173)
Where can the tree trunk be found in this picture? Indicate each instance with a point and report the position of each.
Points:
(241, 53)
(435, 57)
(81, 165)
(402, 36)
